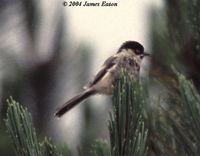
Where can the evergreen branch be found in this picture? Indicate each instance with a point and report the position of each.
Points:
(20, 128)
(191, 104)
(100, 148)
(128, 135)
(48, 149)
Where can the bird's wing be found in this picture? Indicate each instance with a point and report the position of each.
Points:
(107, 65)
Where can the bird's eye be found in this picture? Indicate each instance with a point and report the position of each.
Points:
(141, 56)
(130, 62)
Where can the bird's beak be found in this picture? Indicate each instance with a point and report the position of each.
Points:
(147, 54)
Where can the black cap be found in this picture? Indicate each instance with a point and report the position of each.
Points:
(136, 46)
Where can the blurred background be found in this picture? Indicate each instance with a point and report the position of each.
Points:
(48, 52)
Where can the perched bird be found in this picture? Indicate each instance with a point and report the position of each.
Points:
(128, 56)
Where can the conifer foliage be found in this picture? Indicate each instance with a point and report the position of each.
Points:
(128, 134)
(20, 128)
(173, 132)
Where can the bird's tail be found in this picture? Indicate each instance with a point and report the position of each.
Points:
(74, 101)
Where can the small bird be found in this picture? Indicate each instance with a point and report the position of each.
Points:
(129, 56)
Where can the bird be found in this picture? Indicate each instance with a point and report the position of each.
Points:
(129, 56)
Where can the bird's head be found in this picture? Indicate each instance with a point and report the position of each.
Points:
(135, 47)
